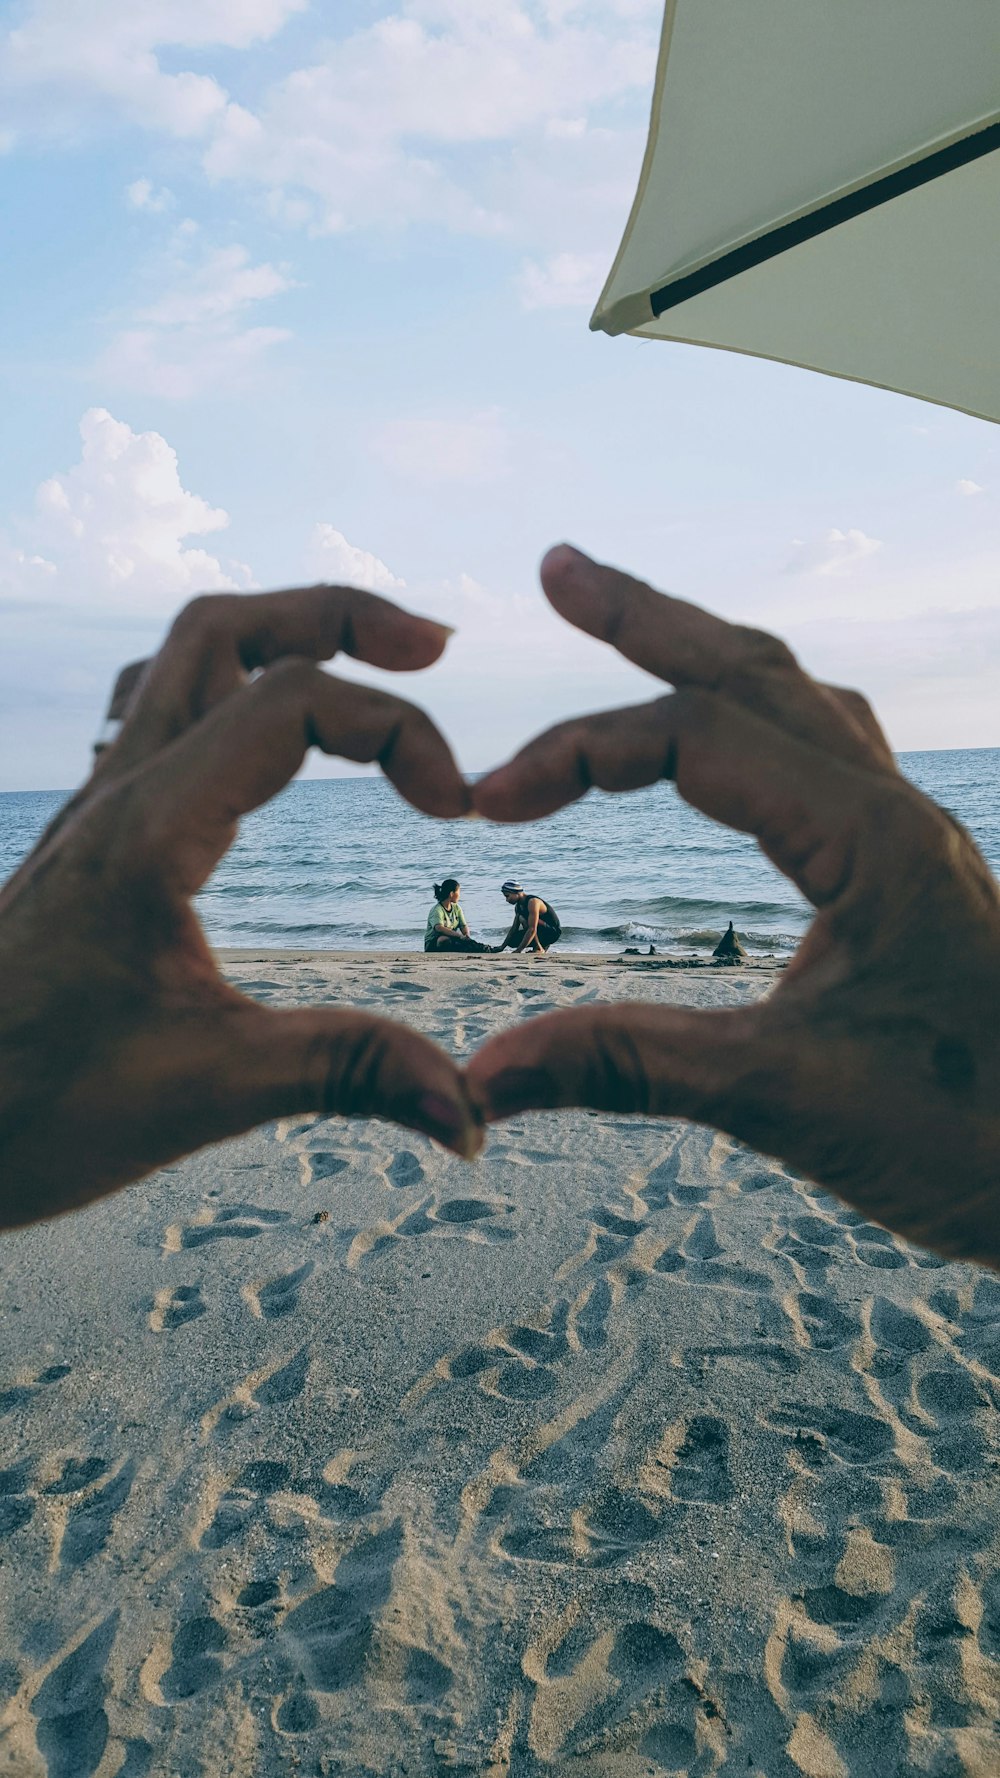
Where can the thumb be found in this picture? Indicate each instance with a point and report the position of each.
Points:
(657, 1061)
(350, 1064)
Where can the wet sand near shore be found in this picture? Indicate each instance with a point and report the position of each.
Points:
(621, 1453)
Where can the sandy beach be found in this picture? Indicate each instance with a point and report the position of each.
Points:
(619, 1453)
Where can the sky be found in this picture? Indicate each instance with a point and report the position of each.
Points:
(300, 291)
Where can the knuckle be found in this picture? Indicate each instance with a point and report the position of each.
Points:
(856, 704)
(764, 653)
(203, 617)
(351, 1068)
(616, 1078)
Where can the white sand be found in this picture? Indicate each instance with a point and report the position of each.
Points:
(621, 1453)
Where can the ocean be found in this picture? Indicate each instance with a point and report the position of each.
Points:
(345, 864)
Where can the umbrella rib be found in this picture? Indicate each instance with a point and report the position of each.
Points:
(826, 216)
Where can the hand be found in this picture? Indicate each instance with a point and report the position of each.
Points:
(874, 1067)
(121, 1047)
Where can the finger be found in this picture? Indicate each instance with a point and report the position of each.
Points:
(217, 640)
(810, 812)
(191, 796)
(858, 708)
(123, 695)
(652, 1060)
(206, 1079)
(350, 1064)
(687, 646)
(125, 687)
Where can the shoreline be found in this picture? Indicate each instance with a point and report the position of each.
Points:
(237, 954)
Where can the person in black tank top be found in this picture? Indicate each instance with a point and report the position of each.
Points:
(536, 924)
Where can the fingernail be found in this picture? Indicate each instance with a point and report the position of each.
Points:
(450, 1123)
(566, 555)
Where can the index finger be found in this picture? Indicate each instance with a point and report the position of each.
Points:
(220, 638)
(688, 646)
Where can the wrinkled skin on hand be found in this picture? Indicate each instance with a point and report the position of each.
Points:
(121, 1047)
(874, 1066)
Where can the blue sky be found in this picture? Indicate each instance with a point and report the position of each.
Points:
(299, 290)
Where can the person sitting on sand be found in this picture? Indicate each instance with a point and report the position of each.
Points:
(536, 923)
(446, 925)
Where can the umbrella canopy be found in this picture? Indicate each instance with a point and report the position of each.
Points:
(822, 186)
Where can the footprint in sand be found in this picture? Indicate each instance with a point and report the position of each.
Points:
(17, 1506)
(702, 1242)
(518, 1382)
(470, 1218)
(285, 1384)
(949, 1394)
(714, 1269)
(855, 1438)
(877, 1248)
(809, 1258)
(77, 1473)
(279, 1296)
(404, 1171)
(526, 1376)
(91, 1521)
(232, 1222)
(826, 1324)
(831, 1606)
(613, 1224)
(332, 1634)
(618, 1521)
(897, 1329)
(72, 1725)
(174, 1306)
(20, 1394)
(295, 1714)
(644, 1664)
(259, 1595)
(702, 1469)
(195, 1662)
(591, 1319)
(243, 1499)
(543, 1345)
(316, 1164)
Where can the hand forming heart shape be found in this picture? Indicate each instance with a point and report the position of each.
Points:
(874, 1067)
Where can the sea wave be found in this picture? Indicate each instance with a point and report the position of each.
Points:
(336, 935)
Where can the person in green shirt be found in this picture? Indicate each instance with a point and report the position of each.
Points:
(446, 924)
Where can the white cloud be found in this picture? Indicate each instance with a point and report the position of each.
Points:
(836, 553)
(142, 195)
(193, 337)
(112, 531)
(395, 123)
(79, 59)
(480, 115)
(332, 559)
(967, 488)
(219, 286)
(475, 451)
(565, 280)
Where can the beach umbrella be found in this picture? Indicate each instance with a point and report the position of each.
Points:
(821, 185)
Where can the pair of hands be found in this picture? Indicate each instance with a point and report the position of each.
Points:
(873, 1068)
